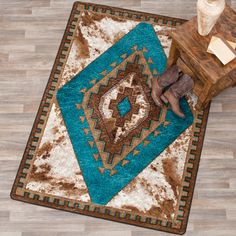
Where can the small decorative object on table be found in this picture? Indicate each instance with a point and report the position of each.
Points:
(209, 12)
(222, 49)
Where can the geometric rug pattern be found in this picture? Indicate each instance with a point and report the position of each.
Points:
(99, 146)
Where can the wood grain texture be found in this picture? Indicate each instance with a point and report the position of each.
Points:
(30, 34)
(210, 76)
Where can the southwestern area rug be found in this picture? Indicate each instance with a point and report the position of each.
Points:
(99, 145)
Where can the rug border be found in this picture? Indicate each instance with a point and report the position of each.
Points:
(47, 100)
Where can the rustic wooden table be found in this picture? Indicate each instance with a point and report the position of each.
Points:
(189, 51)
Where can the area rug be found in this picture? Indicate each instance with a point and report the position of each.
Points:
(99, 145)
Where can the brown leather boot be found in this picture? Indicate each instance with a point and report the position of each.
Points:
(176, 91)
(169, 77)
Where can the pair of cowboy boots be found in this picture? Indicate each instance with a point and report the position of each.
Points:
(176, 84)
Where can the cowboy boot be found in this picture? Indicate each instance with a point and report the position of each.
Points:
(176, 91)
(169, 77)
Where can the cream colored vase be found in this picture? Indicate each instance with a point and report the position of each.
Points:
(208, 12)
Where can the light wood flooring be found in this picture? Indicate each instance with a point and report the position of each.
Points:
(30, 33)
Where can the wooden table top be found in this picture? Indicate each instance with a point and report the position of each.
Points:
(195, 45)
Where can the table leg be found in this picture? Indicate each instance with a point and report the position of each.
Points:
(201, 105)
(204, 98)
(174, 54)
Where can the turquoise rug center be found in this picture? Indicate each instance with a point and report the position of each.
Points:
(114, 126)
(124, 107)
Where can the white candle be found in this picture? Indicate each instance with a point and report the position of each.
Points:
(208, 13)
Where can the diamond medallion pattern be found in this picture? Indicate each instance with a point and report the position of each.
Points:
(119, 115)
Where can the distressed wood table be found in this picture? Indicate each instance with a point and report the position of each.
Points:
(189, 51)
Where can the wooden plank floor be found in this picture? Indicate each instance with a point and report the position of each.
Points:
(30, 33)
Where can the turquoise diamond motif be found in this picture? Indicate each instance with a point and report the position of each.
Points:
(103, 184)
(124, 107)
